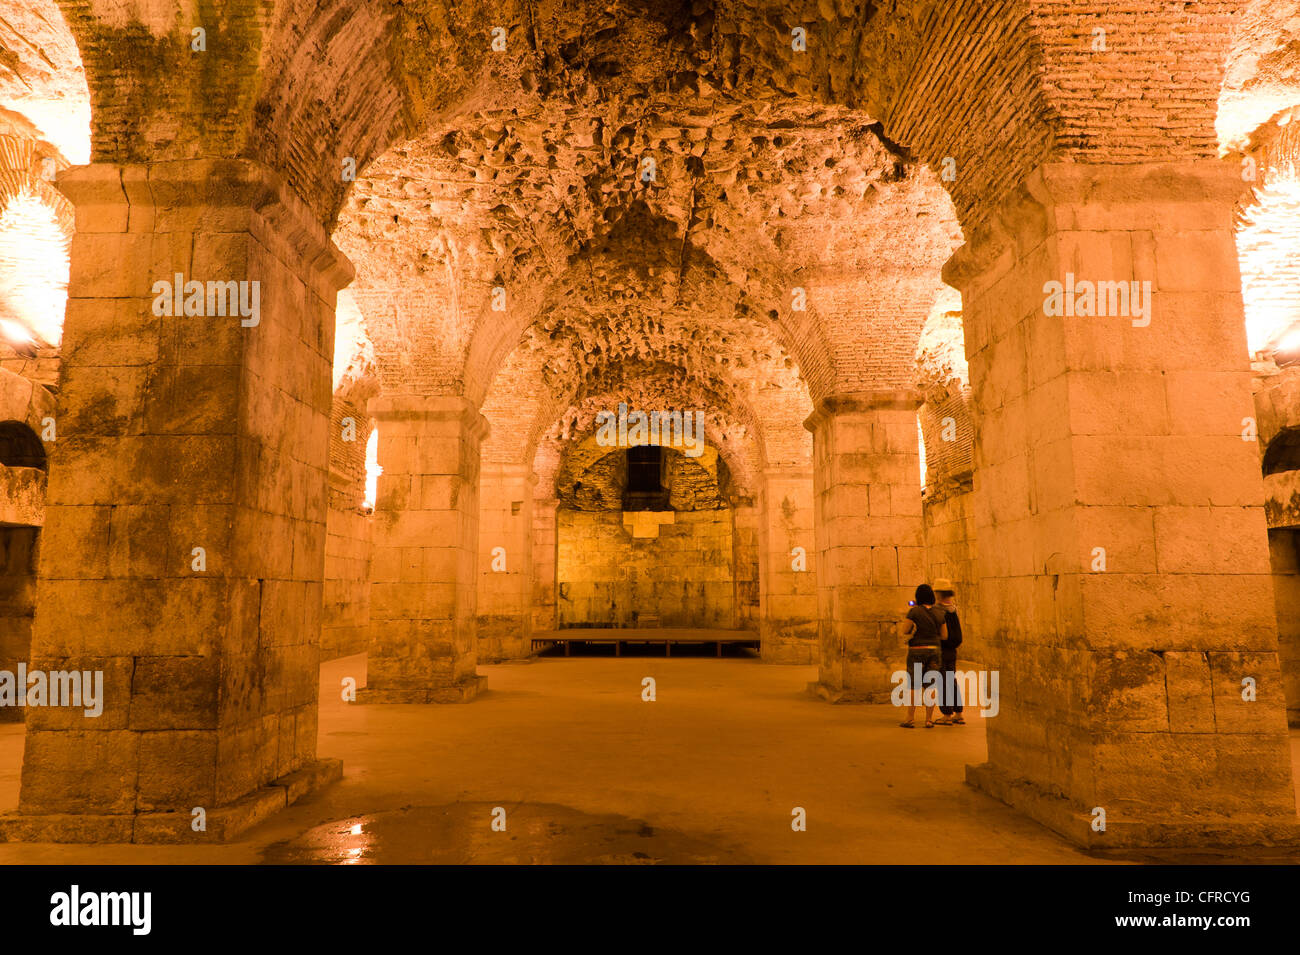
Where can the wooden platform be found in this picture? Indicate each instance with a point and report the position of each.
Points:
(650, 636)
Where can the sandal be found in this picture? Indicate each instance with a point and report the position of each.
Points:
(909, 725)
(944, 721)
(929, 724)
(958, 721)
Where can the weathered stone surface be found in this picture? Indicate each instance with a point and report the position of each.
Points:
(1125, 595)
(185, 537)
(424, 577)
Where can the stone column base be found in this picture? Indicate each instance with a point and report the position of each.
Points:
(224, 824)
(503, 638)
(461, 691)
(1151, 832)
(792, 653)
(787, 644)
(840, 694)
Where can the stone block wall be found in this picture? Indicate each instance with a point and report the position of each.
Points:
(424, 580)
(746, 559)
(505, 562)
(951, 552)
(349, 547)
(608, 577)
(1125, 581)
(22, 497)
(545, 513)
(349, 535)
(177, 432)
(788, 618)
(42, 367)
(867, 486)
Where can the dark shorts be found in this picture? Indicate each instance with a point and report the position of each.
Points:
(927, 657)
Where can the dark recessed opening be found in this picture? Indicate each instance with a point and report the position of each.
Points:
(1283, 452)
(20, 447)
(645, 489)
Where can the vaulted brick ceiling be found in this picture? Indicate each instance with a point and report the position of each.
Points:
(613, 270)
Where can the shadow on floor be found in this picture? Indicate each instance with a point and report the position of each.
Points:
(462, 833)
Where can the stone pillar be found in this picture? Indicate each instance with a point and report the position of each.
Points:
(348, 536)
(1124, 561)
(184, 538)
(748, 599)
(544, 543)
(867, 493)
(424, 574)
(505, 562)
(788, 616)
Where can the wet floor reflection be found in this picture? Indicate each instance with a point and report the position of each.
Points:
(462, 833)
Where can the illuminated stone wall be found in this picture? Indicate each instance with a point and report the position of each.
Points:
(618, 568)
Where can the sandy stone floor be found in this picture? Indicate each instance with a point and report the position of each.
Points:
(587, 771)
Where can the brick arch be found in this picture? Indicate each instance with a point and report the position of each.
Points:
(394, 73)
(1001, 86)
(883, 62)
(755, 439)
(765, 294)
(436, 66)
(262, 90)
(521, 419)
(732, 429)
(943, 379)
(569, 352)
(540, 249)
(152, 96)
(911, 68)
(297, 87)
(530, 269)
(583, 452)
(543, 261)
(36, 226)
(886, 61)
